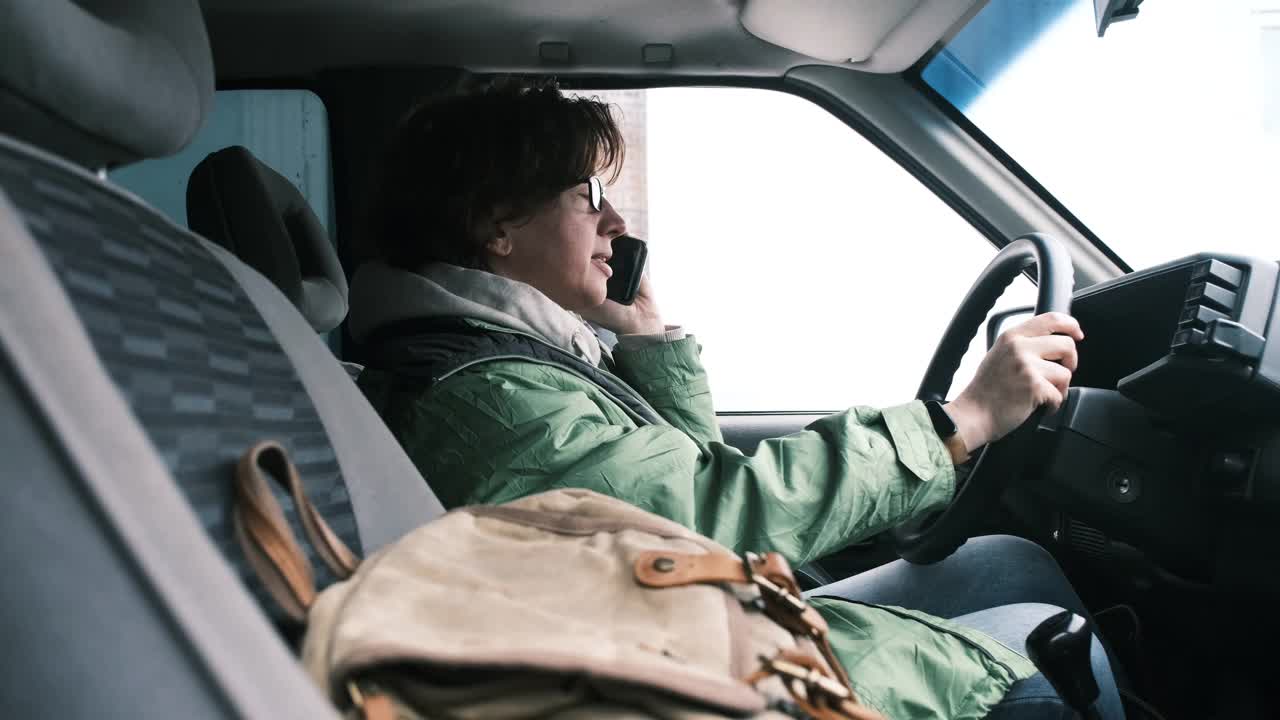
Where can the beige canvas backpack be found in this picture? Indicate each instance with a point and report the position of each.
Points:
(566, 604)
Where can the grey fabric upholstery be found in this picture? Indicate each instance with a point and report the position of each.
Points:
(240, 203)
(201, 370)
(79, 585)
(103, 82)
(137, 361)
(157, 358)
(115, 603)
(387, 493)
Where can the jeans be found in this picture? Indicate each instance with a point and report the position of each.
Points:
(1003, 586)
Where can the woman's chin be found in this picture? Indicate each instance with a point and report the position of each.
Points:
(588, 298)
(596, 293)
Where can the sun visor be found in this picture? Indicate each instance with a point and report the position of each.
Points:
(883, 36)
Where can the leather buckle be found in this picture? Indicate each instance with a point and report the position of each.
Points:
(812, 677)
(779, 602)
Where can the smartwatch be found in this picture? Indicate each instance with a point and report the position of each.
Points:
(947, 431)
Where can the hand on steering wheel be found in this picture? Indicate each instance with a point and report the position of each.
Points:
(1004, 402)
(1029, 367)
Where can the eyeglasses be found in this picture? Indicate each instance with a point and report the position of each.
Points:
(595, 190)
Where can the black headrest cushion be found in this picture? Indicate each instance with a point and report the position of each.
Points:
(243, 205)
(104, 82)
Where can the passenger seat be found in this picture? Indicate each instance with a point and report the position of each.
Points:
(137, 363)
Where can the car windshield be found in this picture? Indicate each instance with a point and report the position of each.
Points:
(1162, 137)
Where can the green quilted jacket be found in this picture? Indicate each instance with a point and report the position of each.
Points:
(502, 429)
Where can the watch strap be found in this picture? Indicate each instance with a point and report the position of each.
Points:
(947, 431)
(955, 446)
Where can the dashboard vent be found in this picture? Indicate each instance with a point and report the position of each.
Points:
(1212, 296)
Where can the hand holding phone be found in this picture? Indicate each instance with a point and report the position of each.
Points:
(627, 262)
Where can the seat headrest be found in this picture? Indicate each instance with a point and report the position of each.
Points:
(243, 205)
(104, 82)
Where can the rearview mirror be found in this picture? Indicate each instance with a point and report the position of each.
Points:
(1106, 12)
(997, 323)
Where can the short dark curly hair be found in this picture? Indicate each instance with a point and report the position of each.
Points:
(458, 159)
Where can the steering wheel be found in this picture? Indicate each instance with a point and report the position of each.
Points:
(933, 537)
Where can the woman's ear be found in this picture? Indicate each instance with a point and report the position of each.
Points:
(500, 243)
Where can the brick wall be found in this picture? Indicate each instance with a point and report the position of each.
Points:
(629, 194)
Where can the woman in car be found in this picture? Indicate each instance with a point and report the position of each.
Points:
(493, 236)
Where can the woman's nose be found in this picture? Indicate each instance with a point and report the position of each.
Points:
(611, 223)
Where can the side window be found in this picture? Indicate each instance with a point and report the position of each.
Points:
(286, 129)
(815, 271)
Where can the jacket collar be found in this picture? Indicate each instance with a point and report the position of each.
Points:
(382, 294)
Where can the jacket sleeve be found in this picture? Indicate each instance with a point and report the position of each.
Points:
(670, 376)
(511, 432)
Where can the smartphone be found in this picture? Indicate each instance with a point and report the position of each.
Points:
(628, 259)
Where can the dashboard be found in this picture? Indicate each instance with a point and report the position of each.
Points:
(1187, 338)
(1169, 440)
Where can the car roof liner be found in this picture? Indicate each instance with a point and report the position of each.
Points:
(706, 38)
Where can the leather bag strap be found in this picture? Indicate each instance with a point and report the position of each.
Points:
(268, 541)
(781, 600)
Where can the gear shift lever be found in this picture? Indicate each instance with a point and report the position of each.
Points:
(1059, 647)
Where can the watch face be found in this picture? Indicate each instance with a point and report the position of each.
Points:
(942, 422)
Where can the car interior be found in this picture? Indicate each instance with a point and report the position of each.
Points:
(142, 356)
